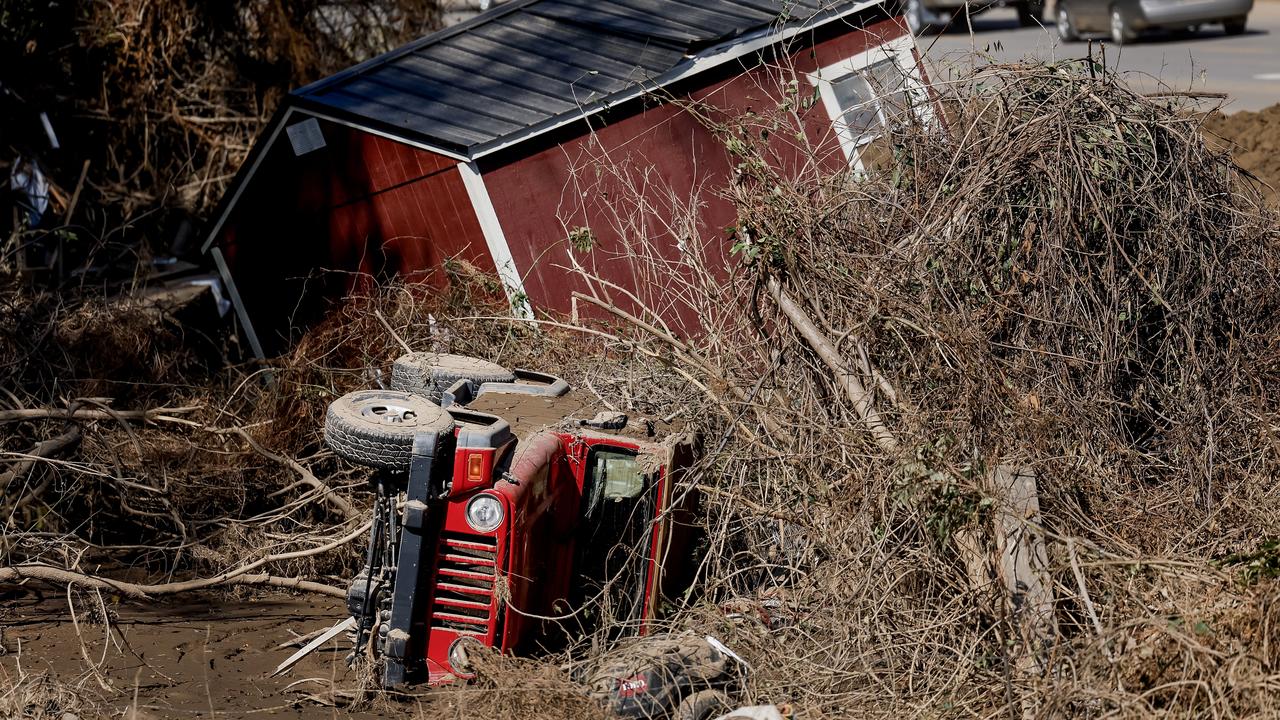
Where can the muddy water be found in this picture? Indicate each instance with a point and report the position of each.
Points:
(203, 656)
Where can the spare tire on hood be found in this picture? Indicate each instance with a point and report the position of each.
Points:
(376, 428)
(430, 374)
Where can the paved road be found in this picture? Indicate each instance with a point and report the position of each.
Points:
(1247, 67)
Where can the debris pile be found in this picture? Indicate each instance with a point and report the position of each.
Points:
(986, 429)
(995, 428)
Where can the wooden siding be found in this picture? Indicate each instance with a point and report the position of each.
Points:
(309, 229)
(668, 158)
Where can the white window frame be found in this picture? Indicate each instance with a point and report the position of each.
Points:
(900, 51)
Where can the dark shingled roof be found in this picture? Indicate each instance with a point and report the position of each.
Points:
(530, 62)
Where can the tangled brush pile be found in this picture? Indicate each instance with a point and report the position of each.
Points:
(1060, 281)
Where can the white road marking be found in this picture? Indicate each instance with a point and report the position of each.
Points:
(1267, 76)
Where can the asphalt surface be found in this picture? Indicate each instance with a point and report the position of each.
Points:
(1246, 67)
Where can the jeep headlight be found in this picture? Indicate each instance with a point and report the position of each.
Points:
(484, 513)
(459, 662)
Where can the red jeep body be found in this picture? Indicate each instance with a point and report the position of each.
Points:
(562, 539)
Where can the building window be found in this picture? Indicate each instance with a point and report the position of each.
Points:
(872, 91)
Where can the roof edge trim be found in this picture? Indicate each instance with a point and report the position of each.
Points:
(708, 59)
(256, 154)
(260, 149)
(428, 39)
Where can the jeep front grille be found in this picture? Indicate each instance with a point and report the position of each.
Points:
(465, 570)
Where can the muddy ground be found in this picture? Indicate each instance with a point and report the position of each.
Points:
(204, 656)
(1254, 138)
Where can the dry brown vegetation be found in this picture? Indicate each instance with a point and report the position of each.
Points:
(156, 103)
(1254, 141)
(1063, 278)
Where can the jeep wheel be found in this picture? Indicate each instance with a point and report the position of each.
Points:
(1066, 31)
(1235, 25)
(429, 374)
(703, 705)
(1030, 13)
(376, 428)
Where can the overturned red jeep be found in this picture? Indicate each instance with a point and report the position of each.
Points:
(509, 514)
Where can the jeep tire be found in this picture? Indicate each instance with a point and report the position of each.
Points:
(429, 374)
(703, 705)
(375, 428)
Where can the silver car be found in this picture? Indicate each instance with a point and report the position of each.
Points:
(924, 16)
(1125, 20)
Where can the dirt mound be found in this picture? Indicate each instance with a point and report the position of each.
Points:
(1254, 139)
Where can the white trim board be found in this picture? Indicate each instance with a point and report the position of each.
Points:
(900, 52)
(239, 187)
(499, 250)
(241, 312)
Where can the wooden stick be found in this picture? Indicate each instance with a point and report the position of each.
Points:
(394, 334)
(42, 450)
(75, 196)
(847, 380)
(88, 414)
(1084, 596)
(238, 576)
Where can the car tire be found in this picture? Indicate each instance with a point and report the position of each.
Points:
(1066, 28)
(1030, 14)
(376, 428)
(1235, 25)
(1121, 32)
(429, 374)
(703, 705)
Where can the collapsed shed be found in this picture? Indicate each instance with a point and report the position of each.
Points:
(471, 143)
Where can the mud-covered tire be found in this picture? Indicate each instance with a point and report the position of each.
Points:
(429, 374)
(703, 705)
(375, 428)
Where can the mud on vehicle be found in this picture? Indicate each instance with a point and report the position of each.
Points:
(507, 512)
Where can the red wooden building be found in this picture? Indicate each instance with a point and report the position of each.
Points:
(484, 142)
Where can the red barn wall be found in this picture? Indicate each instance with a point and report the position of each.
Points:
(668, 157)
(309, 229)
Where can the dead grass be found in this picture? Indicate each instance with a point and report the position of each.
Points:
(1063, 278)
(37, 696)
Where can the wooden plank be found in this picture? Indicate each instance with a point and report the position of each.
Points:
(1022, 562)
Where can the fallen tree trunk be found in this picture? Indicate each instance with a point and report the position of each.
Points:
(240, 576)
(50, 574)
(844, 377)
(90, 414)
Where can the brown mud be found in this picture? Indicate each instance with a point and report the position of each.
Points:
(1254, 140)
(205, 656)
